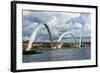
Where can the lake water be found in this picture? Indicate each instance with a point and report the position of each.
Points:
(59, 55)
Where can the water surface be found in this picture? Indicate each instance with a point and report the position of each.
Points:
(59, 55)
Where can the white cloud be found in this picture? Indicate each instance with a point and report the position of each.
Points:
(32, 26)
(26, 38)
(56, 22)
(71, 15)
(87, 27)
(78, 25)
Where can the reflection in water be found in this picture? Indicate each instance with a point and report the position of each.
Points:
(59, 55)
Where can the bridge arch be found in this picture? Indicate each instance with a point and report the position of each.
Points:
(61, 37)
(34, 33)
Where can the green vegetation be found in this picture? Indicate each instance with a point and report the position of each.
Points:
(31, 52)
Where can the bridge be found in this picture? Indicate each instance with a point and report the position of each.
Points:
(38, 43)
(54, 44)
(50, 43)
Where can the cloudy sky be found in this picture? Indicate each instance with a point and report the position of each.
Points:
(58, 22)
